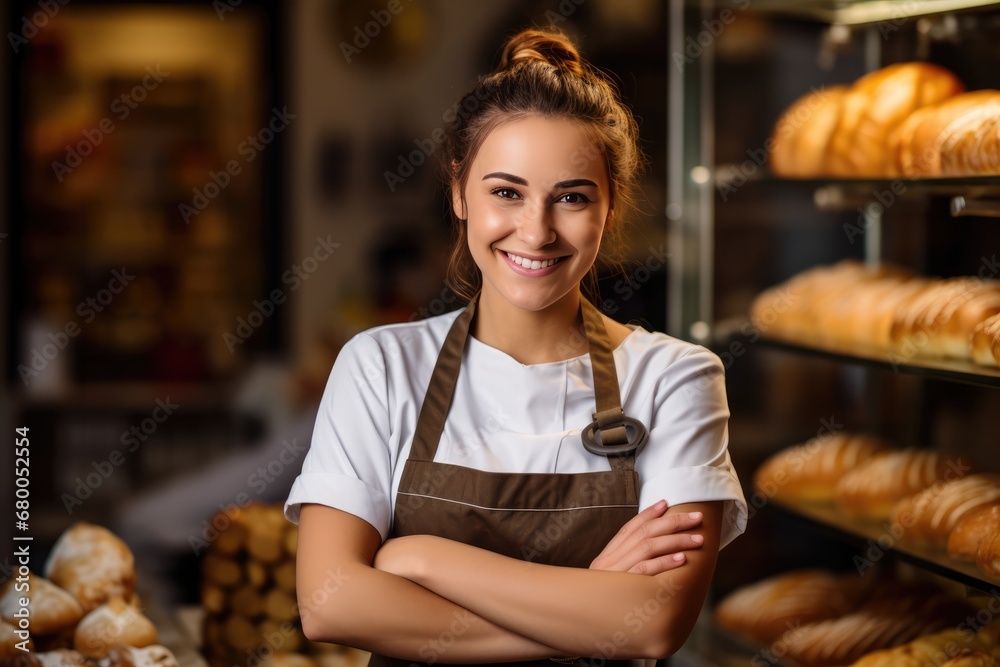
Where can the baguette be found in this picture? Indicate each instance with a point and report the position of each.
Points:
(932, 514)
(969, 531)
(872, 489)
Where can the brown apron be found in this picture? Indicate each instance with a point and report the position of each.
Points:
(558, 518)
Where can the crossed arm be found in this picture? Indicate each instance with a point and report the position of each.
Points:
(427, 598)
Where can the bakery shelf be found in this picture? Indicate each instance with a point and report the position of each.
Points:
(867, 535)
(855, 12)
(935, 369)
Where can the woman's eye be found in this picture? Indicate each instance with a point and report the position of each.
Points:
(574, 198)
(506, 193)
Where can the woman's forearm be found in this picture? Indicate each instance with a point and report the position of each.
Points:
(578, 611)
(381, 612)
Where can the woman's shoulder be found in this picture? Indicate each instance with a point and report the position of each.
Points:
(404, 342)
(657, 349)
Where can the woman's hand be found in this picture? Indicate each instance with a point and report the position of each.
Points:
(650, 543)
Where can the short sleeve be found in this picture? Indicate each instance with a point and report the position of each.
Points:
(687, 457)
(348, 465)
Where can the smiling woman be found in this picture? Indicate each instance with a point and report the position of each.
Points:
(524, 479)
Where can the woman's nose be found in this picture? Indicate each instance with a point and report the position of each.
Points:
(534, 226)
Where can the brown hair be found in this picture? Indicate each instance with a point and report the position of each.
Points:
(541, 73)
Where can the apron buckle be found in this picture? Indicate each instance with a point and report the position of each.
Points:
(633, 432)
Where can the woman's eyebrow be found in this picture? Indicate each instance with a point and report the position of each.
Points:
(576, 182)
(505, 176)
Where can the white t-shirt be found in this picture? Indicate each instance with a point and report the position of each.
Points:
(510, 417)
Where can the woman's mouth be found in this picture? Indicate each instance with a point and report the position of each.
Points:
(531, 267)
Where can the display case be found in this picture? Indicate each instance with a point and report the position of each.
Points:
(737, 228)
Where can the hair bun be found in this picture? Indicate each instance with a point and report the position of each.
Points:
(548, 46)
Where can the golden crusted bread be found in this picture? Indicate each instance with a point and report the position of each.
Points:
(115, 622)
(764, 610)
(917, 143)
(930, 515)
(871, 489)
(93, 564)
(801, 135)
(811, 471)
(970, 145)
(926, 651)
(969, 531)
(51, 608)
(986, 342)
(872, 109)
(9, 641)
(988, 556)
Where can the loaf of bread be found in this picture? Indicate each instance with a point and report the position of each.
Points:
(93, 564)
(932, 514)
(873, 488)
(801, 135)
(986, 342)
(970, 145)
(873, 108)
(115, 622)
(971, 658)
(812, 470)
(925, 651)
(969, 531)
(765, 610)
(988, 556)
(51, 609)
(917, 143)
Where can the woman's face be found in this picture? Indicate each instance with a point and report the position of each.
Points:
(537, 192)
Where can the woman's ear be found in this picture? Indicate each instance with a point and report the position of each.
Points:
(457, 203)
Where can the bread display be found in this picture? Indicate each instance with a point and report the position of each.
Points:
(93, 564)
(812, 470)
(930, 515)
(884, 310)
(873, 488)
(970, 531)
(52, 610)
(765, 610)
(112, 623)
(248, 592)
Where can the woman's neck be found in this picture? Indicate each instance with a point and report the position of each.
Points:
(553, 333)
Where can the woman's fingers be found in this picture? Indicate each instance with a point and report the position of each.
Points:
(659, 564)
(660, 548)
(632, 525)
(652, 528)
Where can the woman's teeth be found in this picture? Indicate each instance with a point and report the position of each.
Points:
(533, 263)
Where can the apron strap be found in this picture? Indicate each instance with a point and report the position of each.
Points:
(440, 391)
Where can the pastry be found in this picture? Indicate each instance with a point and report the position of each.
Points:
(763, 611)
(986, 342)
(932, 649)
(872, 109)
(988, 556)
(874, 487)
(930, 515)
(801, 135)
(970, 145)
(811, 471)
(971, 530)
(51, 608)
(115, 622)
(156, 655)
(93, 564)
(917, 144)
